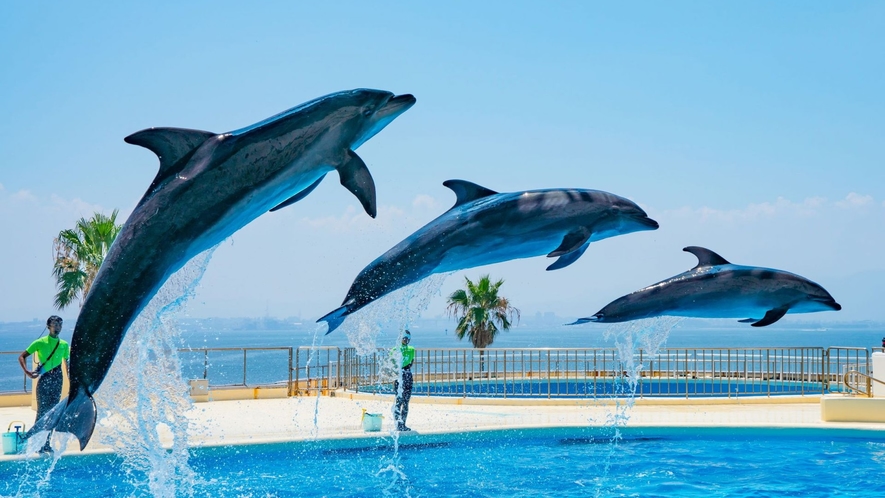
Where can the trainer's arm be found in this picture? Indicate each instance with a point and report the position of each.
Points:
(21, 361)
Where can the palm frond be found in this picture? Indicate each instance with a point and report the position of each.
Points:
(78, 254)
(481, 313)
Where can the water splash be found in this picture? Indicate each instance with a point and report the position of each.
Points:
(637, 342)
(390, 314)
(383, 321)
(144, 397)
(314, 353)
(34, 478)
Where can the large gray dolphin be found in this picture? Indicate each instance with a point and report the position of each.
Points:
(209, 186)
(716, 288)
(485, 227)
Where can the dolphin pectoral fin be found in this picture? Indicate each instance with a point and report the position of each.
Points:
(770, 317)
(568, 258)
(334, 319)
(355, 177)
(572, 242)
(748, 320)
(169, 144)
(75, 415)
(300, 195)
(467, 191)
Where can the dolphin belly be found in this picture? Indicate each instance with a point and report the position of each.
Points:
(482, 251)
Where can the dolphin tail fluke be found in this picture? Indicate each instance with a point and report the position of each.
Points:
(334, 319)
(580, 321)
(49, 420)
(75, 415)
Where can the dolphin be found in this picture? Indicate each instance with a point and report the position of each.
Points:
(485, 227)
(716, 288)
(208, 187)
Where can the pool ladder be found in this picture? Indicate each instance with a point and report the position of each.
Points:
(852, 380)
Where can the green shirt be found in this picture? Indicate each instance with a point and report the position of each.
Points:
(408, 353)
(43, 348)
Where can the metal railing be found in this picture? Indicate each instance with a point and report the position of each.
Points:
(592, 372)
(859, 383)
(842, 361)
(230, 367)
(537, 373)
(10, 371)
(317, 370)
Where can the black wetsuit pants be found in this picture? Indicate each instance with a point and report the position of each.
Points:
(48, 393)
(401, 412)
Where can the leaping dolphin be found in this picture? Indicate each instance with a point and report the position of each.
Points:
(209, 186)
(716, 288)
(485, 227)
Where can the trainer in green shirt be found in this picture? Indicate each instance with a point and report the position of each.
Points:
(404, 392)
(51, 351)
(44, 347)
(408, 353)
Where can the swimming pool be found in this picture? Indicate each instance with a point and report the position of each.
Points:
(562, 462)
(606, 387)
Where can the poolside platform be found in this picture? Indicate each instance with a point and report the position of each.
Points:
(292, 419)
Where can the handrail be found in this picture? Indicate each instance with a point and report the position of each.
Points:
(869, 382)
(245, 351)
(25, 378)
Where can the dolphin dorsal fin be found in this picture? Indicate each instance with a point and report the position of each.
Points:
(169, 144)
(467, 191)
(706, 257)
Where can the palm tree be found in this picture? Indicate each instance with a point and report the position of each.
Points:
(79, 253)
(481, 312)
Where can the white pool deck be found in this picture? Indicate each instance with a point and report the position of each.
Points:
(292, 419)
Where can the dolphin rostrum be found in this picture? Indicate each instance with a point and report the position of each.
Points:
(208, 187)
(716, 288)
(485, 227)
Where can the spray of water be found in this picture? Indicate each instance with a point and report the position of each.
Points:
(390, 314)
(637, 344)
(314, 352)
(33, 479)
(385, 319)
(144, 398)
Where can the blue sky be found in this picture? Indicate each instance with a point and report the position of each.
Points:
(754, 129)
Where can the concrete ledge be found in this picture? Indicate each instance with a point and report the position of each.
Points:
(23, 399)
(841, 408)
(239, 393)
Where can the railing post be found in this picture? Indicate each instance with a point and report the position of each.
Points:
(504, 382)
(289, 394)
(244, 366)
(297, 387)
(825, 368)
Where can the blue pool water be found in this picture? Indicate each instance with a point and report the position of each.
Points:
(700, 462)
(605, 388)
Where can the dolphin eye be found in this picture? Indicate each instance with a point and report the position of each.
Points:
(368, 111)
